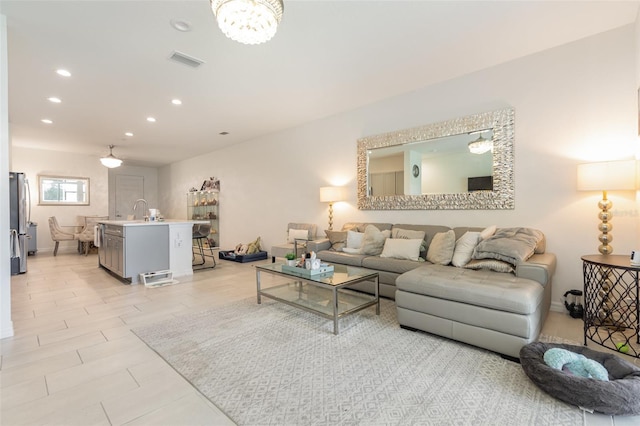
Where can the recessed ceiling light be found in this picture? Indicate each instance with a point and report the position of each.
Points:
(223, 133)
(129, 134)
(151, 119)
(181, 25)
(46, 121)
(54, 100)
(176, 101)
(64, 73)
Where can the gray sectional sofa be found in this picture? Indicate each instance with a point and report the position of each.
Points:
(498, 311)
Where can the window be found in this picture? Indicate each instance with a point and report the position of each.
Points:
(63, 191)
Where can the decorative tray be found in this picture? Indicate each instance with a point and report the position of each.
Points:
(307, 273)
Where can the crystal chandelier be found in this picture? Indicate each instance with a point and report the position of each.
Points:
(480, 145)
(110, 161)
(248, 21)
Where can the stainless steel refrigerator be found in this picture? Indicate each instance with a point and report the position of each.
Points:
(18, 222)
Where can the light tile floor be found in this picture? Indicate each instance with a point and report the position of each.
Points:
(74, 361)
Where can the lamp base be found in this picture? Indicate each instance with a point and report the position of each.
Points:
(605, 227)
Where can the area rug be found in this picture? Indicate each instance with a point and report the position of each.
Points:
(272, 364)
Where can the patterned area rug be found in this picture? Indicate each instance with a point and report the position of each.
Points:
(273, 364)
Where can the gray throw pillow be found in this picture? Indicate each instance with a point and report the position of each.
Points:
(441, 248)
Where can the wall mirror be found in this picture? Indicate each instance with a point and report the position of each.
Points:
(63, 191)
(460, 164)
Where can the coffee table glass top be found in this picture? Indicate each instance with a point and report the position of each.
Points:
(342, 274)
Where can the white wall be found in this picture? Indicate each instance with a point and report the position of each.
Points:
(6, 325)
(34, 162)
(573, 104)
(150, 186)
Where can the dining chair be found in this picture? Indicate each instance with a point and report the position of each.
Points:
(57, 234)
(88, 233)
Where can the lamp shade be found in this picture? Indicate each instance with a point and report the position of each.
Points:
(607, 176)
(110, 160)
(331, 194)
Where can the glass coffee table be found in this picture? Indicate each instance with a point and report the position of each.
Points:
(323, 294)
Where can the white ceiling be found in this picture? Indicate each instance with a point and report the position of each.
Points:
(327, 57)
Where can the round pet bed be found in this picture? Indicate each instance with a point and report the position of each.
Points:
(618, 396)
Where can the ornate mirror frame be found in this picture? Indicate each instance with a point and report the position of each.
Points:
(502, 122)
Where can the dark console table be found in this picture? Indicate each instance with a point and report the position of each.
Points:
(611, 311)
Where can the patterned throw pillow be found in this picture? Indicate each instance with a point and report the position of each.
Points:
(491, 264)
(338, 239)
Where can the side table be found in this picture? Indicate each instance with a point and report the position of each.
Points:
(611, 311)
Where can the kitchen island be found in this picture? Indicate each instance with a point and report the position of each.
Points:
(129, 248)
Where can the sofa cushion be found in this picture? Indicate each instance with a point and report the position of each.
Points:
(338, 239)
(489, 289)
(399, 248)
(464, 248)
(341, 258)
(373, 240)
(397, 266)
(513, 245)
(442, 247)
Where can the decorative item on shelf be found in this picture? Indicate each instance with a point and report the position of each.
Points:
(331, 194)
(211, 184)
(248, 21)
(607, 176)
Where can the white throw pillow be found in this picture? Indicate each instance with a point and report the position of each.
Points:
(441, 248)
(354, 239)
(400, 248)
(488, 232)
(297, 234)
(464, 248)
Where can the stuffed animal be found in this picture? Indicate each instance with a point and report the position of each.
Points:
(241, 248)
(576, 364)
(254, 246)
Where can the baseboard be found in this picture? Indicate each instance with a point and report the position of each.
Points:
(7, 330)
(557, 307)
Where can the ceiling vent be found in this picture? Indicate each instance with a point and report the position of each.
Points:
(186, 59)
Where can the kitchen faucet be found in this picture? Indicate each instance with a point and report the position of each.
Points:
(135, 205)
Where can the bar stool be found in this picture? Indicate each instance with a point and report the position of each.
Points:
(201, 232)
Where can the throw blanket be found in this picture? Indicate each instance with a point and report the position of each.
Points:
(512, 245)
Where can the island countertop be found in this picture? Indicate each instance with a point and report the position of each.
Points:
(152, 223)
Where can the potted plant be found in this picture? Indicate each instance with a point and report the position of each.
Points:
(291, 259)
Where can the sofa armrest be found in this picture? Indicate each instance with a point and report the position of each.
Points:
(318, 245)
(539, 267)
